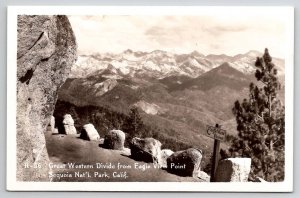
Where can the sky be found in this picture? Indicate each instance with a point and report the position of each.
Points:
(207, 34)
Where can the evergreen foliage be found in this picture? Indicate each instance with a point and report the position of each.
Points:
(134, 124)
(261, 124)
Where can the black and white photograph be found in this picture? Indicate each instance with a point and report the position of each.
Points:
(174, 98)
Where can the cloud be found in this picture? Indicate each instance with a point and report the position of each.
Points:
(219, 30)
(181, 34)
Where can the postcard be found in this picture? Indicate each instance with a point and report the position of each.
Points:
(136, 98)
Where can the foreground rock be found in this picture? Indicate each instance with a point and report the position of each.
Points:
(147, 150)
(68, 123)
(89, 133)
(115, 140)
(52, 124)
(165, 153)
(55, 131)
(185, 163)
(233, 170)
(203, 176)
(45, 53)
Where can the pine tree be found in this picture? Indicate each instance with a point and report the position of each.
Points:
(261, 124)
(134, 123)
(75, 117)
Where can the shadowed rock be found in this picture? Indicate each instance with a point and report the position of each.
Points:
(46, 51)
(147, 150)
(165, 153)
(185, 163)
(89, 133)
(115, 140)
(233, 170)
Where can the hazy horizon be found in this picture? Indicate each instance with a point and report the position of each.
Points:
(217, 34)
(87, 53)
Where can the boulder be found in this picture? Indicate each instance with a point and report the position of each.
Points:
(185, 163)
(203, 176)
(68, 123)
(233, 170)
(46, 50)
(55, 131)
(52, 124)
(89, 133)
(115, 140)
(101, 141)
(147, 150)
(165, 153)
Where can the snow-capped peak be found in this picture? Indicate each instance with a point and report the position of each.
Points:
(160, 64)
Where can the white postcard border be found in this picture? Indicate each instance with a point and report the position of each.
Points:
(13, 185)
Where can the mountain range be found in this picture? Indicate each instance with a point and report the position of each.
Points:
(180, 94)
(161, 64)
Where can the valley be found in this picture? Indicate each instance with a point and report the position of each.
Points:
(177, 95)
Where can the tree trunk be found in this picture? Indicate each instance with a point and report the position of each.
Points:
(269, 124)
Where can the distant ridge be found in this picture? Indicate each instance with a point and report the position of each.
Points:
(224, 75)
(160, 64)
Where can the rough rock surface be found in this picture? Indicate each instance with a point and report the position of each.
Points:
(52, 124)
(165, 153)
(46, 50)
(203, 176)
(185, 163)
(147, 150)
(115, 140)
(90, 133)
(68, 123)
(233, 170)
(105, 86)
(55, 131)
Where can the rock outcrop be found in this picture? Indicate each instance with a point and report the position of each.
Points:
(149, 108)
(185, 163)
(46, 50)
(115, 140)
(233, 170)
(105, 86)
(165, 153)
(68, 123)
(147, 150)
(89, 133)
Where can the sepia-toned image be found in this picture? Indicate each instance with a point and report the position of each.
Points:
(185, 96)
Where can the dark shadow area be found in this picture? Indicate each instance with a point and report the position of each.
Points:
(128, 156)
(59, 124)
(26, 78)
(183, 169)
(102, 145)
(57, 134)
(138, 156)
(84, 135)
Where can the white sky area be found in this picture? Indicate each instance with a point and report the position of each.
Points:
(212, 34)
